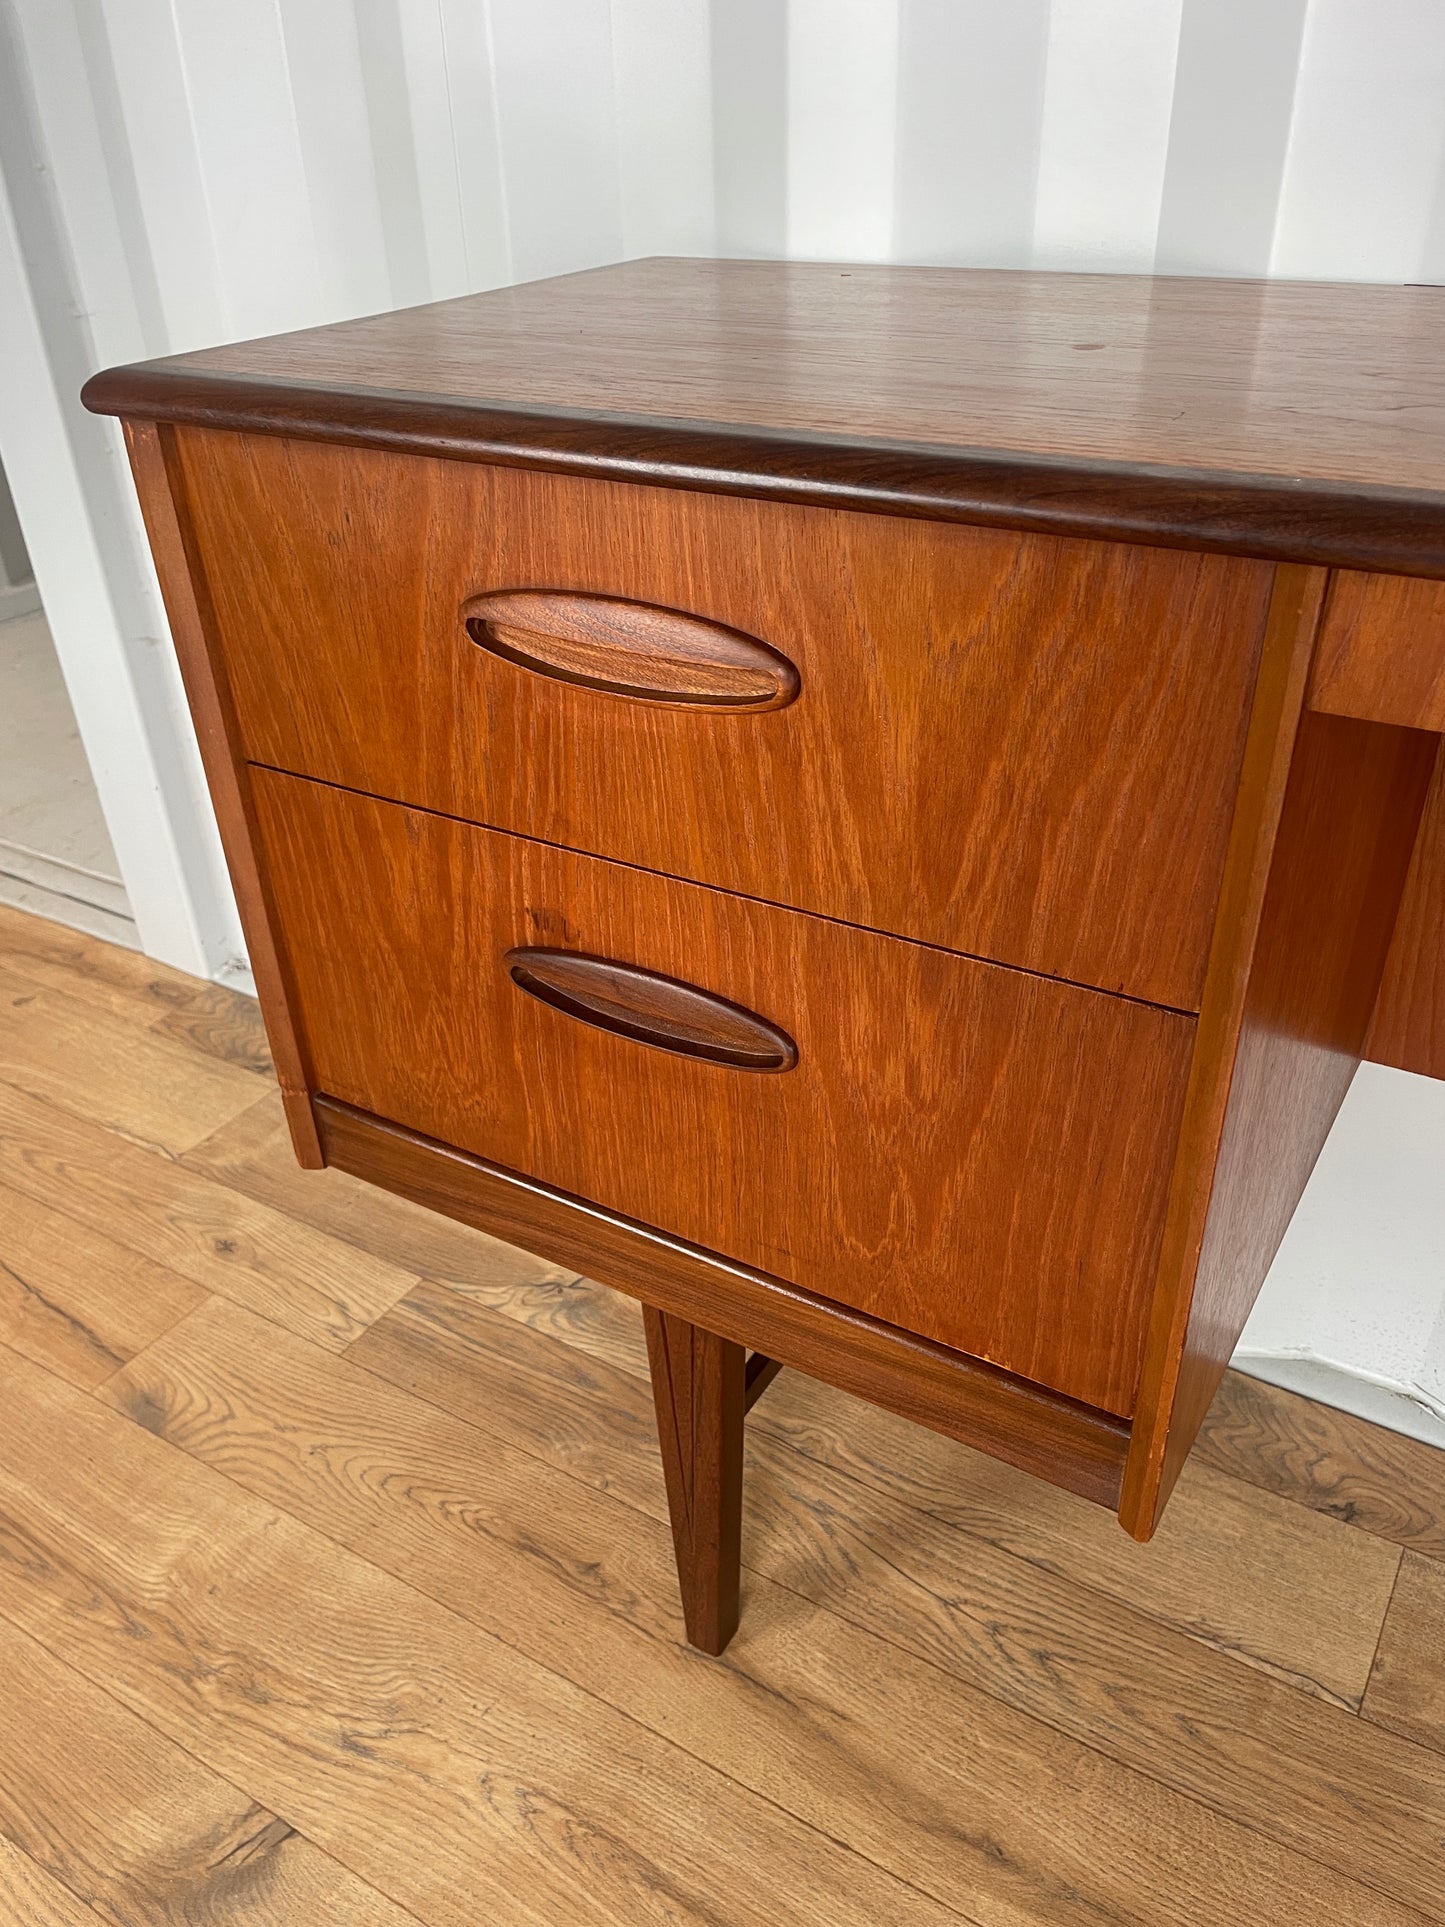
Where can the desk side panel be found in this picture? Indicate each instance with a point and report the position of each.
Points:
(183, 589)
(1408, 1028)
(1296, 973)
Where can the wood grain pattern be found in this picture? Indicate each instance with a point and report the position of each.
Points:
(33, 1898)
(1248, 1572)
(1408, 1027)
(631, 649)
(1272, 1585)
(390, 1721)
(1337, 1464)
(1020, 1631)
(127, 1821)
(1072, 1444)
(74, 1299)
(162, 500)
(1052, 1730)
(215, 1238)
(649, 1009)
(759, 1375)
(937, 1781)
(143, 1085)
(938, 1158)
(143, 993)
(1381, 652)
(1022, 749)
(1328, 814)
(252, 1156)
(1296, 421)
(699, 1392)
(1407, 1686)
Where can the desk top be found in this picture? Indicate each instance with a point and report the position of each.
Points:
(1291, 420)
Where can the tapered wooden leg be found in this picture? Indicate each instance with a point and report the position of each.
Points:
(699, 1388)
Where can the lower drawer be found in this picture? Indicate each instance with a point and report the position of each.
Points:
(971, 1152)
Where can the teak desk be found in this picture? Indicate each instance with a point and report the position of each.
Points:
(867, 807)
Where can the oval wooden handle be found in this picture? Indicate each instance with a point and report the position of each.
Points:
(631, 649)
(652, 1009)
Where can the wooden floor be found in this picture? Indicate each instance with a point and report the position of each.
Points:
(335, 1583)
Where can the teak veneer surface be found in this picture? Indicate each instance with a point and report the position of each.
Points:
(1338, 859)
(1015, 746)
(1382, 650)
(1073, 1445)
(1295, 420)
(972, 1153)
(1408, 1028)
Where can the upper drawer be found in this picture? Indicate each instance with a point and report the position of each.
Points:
(977, 1154)
(1016, 746)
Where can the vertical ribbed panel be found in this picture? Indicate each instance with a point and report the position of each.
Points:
(280, 162)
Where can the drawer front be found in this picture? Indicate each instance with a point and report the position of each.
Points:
(1018, 747)
(975, 1153)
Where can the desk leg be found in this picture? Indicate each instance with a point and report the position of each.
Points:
(699, 1388)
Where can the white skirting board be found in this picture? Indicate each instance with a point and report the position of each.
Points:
(1353, 1310)
(1395, 1407)
(56, 857)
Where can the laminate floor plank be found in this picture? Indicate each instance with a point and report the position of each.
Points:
(145, 1086)
(207, 1233)
(73, 1299)
(210, 1018)
(1407, 1688)
(936, 1782)
(1332, 1461)
(1236, 1738)
(252, 1154)
(30, 1897)
(122, 1819)
(1265, 1581)
(1240, 1568)
(440, 1765)
(418, 1599)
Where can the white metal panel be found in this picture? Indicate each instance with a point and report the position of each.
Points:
(161, 148)
(1108, 91)
(970, 111)
(246, 135)
(662, 77)
(476, 142)
(333, 132)
(431, 117)
(558, 124)
(121, 678)
(842, 64)
(1228, 135)
(1367, 142)
(749, 48)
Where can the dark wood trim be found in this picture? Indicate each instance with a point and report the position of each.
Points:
(1279, 518)
(1070, 1444)
(761, 1371)
(698, 1388)
(662, 1012)
(163, 507)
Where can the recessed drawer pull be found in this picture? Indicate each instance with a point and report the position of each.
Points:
(652, 1009)
(631, 649)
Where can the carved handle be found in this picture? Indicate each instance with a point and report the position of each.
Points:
(652, 1009)
(631, 649)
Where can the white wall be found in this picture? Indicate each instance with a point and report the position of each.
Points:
(180, 172)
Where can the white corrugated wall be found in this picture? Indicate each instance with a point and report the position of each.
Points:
(183, 172)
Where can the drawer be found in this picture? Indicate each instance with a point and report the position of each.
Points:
(975, 1153)
(1019, 747)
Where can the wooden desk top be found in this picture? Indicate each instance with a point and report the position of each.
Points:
(1288, 420)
